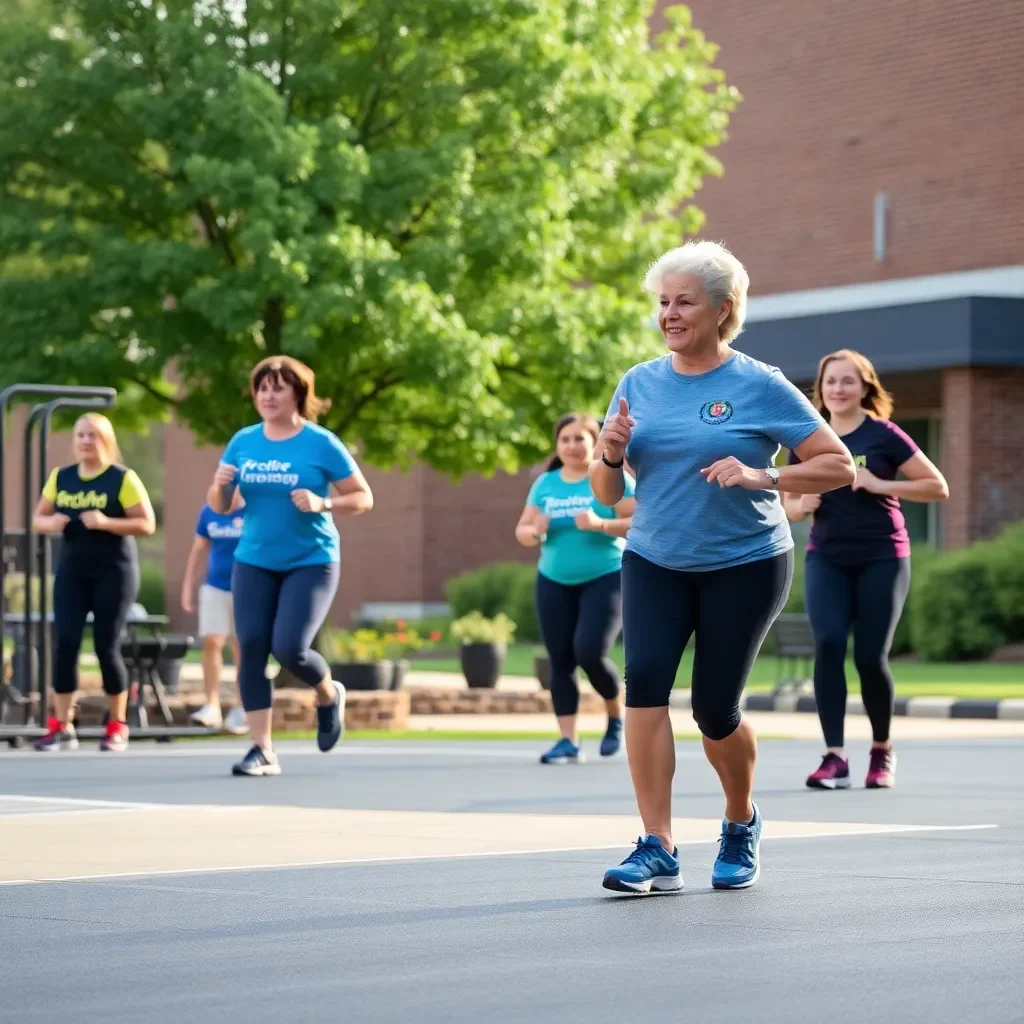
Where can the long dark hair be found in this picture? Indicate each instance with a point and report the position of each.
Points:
(588, 423)
(876, 402)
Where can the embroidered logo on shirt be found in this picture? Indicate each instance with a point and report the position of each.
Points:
(715, 412)
(860, 461)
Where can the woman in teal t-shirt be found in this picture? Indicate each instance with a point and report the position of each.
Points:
(579, 600)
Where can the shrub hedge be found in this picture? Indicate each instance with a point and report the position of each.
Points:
(962, 604)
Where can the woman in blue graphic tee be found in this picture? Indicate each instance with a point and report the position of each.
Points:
(286, 566)
(579, 594)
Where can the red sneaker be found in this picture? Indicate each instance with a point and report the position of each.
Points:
(116, 738)
(832, 773)
(58, 736)
(881, 770)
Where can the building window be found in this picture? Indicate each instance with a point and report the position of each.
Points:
(923, 518)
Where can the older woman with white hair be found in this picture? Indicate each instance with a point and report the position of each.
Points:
(709, 554)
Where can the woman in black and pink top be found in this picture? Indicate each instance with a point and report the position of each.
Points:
(858, 559)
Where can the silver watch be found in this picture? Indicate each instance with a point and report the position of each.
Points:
(772, 473)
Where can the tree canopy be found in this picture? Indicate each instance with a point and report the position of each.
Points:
(445, 208)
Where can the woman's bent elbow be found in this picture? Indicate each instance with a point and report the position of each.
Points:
(846, 472)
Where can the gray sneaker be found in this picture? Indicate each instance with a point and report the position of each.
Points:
(257, 762)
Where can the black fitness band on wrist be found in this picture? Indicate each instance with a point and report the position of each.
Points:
(612, 465)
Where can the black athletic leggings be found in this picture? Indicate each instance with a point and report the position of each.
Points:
(869, 597)
(279, 613)
(579, 625)
(108, 592)
(729, 611)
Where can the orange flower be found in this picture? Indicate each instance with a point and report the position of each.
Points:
(435, 636)
(402, 638)
(400, 623)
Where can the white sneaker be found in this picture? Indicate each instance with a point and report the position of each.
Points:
(208, 716)
(234, 721)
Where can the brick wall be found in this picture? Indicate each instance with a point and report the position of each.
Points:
(920, 99)
(983, 445)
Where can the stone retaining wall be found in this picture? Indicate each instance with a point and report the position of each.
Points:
(428, 700)
(294, 710)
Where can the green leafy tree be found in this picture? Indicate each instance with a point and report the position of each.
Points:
(444, 207)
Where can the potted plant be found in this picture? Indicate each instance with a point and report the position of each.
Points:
(483, 647)
(402, 641)
(358, 658)
(542, 668)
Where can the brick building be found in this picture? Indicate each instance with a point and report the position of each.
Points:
(874, 188)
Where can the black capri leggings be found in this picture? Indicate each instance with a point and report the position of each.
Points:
(579, 625)
(108, 592)
(728, 610)
(869, 597)
(279, 613)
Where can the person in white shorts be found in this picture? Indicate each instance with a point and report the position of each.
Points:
(215, 542)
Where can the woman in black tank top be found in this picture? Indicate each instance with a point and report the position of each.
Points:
(99, 508)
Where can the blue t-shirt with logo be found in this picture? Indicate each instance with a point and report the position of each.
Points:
(223, 532)
(569, 555)
(275, 534)
(684, 423)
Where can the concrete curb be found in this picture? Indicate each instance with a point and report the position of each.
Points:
(911, 707)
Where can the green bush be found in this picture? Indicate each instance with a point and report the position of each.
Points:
(14, 593)
(955, 615)
(498, 587)
(1006, 574)
(152, 587)
(921, 557)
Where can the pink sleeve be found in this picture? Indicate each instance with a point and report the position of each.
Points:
(901, 445)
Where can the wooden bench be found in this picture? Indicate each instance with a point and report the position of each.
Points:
(794, 652)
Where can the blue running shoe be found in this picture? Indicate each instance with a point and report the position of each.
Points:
(649, 867)
(330, 719)
(739, 862)
(612, 738)
(563, 752)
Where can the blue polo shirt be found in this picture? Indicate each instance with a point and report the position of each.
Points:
(684, 423)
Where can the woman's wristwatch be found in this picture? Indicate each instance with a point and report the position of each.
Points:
(612, 465)
(328, 504)
(772, 472)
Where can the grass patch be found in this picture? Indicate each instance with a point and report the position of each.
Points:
(979, 680)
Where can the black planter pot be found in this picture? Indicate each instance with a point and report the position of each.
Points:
(542, 670)
(169, 671)
(482, 664)
(401, 666)
(370, 675)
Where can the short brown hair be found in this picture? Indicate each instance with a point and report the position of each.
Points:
(876, 401)
(298, 376)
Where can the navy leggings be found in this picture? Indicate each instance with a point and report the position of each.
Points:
(279, 613)
(869, 597)
(728, 612)
(579, 625)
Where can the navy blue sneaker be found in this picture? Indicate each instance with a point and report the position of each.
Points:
(739, 862)
(650, 867)
(563, 752)
(612, 739)
(330, 719)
